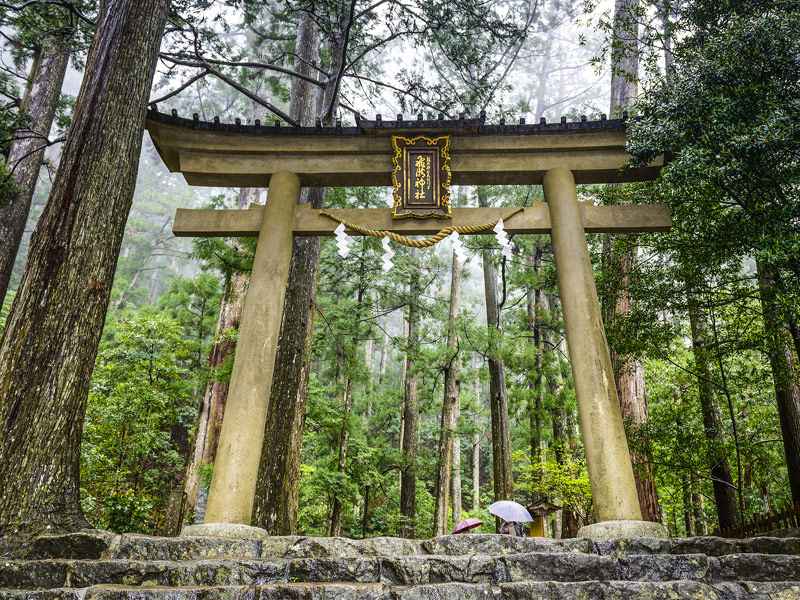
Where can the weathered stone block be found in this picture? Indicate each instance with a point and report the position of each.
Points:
(476, 568)
(140, 547)
(405, 570)
(770, 545)
(55, 594)
(33, 575)
(558, 567)
(474, 543)
(625, 546)
(544, 590)
(708, 545)
(444, 591)
(333, 569)
(120, 572)
(759, 567)
(113, 592)
(84, 544)
(218, 572)
(663, 567)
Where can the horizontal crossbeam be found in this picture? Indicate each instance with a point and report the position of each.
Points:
(309, 221)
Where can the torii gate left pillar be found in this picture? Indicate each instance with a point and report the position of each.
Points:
(594, 159)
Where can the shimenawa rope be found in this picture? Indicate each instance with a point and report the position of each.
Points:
(424, 243)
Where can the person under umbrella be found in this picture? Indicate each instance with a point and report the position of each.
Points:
(466, 525)
(513, 514)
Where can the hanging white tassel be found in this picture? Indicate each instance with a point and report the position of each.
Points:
(342, 241)
(458, 247)
(387, 254)
(502, 239)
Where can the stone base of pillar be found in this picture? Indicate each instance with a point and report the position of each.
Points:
(623, 529)
(231, 530)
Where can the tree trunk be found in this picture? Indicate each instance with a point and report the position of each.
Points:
(449, 413)
(51, 337)
(212, 406)
(408, 478)
(277, 491)
(628, 370)
(26, 152)
(346, 402)
(501, 452)
(784, 365)
(455, 480)
(724, 490)
(476, 445)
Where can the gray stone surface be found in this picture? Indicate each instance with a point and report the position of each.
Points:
(558, 567)
(140, 547)
(491, 543)
(450, 591)
(759, 567)
(91, 543)
(231, 530)
(623, 529)
(464, 567)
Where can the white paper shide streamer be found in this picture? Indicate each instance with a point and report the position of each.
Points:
(502, 239)
(342, 241)
(458, 247)
(388, 253)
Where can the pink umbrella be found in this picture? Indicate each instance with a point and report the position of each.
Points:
(466, 525)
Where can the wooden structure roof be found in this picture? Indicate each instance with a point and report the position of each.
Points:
(238, 155)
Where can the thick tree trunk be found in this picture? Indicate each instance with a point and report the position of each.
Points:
(785, 373)
(277, 491)
(51, 337)
(26, 152)
(449, 413)
(408, 477)
(724, 490)
(498, 400)
(212, 406)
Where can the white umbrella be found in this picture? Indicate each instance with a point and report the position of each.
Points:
(510, 511)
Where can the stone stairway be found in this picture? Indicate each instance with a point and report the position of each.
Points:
(96, 565)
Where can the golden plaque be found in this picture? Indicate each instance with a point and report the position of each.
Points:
(421, 177)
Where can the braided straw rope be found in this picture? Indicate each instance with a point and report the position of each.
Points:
(424, 243)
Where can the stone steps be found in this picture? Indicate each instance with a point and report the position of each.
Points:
(99, 565)
(590, 590)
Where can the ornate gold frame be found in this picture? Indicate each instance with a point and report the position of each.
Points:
(445, 166)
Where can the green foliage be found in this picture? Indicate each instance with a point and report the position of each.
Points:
(558, 473)
(137, 399)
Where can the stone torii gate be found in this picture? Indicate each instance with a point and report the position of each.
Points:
(556, 156)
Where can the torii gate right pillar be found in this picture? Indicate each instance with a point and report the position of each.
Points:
(607, 458)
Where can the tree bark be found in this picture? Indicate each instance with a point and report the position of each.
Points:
(212, 406)
(345, 401)
(476, 445)
(785, 371)
(27, 151)
(724, 490)
(449, 404)
(498, 399)
(51, 337)
(277, 491)
(408, 477)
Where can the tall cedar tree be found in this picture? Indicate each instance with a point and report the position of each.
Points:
(498, 397)
(628, 370)
(27, 150)
(51, 337)
(450, 404)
